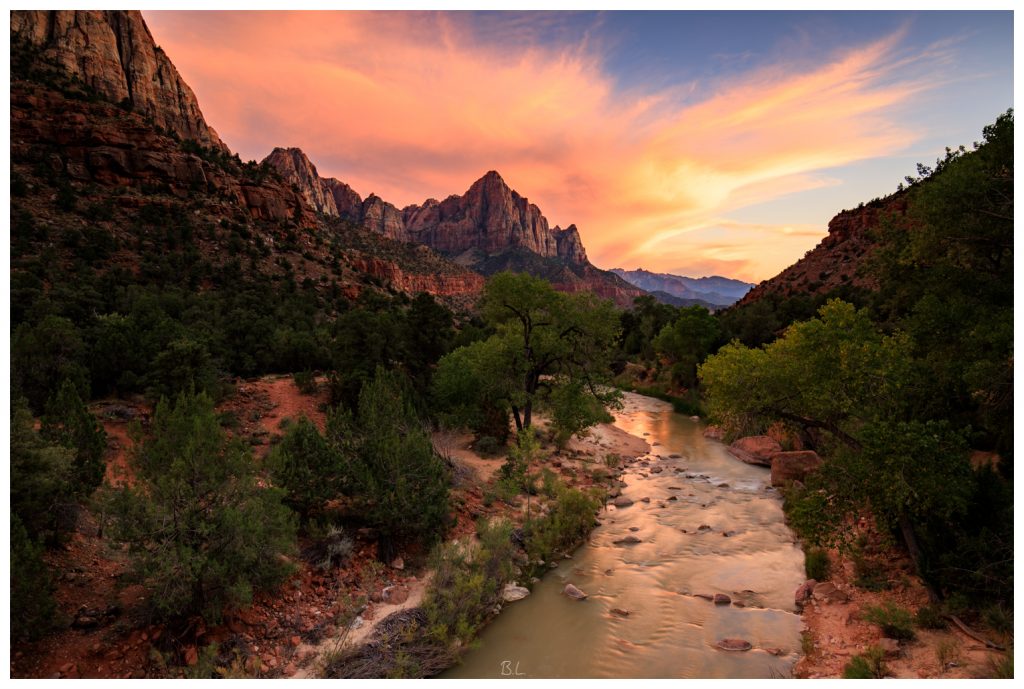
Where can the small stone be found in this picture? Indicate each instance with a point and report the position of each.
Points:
(573, 592)
(634, 528)
(890, 646)
(722, 599)
(512, 593)
(625, 540)
(620, 612)
(398, 563)
(775, 651)
(645, 499)
(622, 501)
(734, 645)
(191, 656)
(295, 641)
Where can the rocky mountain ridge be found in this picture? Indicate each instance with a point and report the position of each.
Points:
(838, 259)
(715, 290)
(489, 228)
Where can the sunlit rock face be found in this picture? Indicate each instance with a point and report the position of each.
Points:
(114, 53)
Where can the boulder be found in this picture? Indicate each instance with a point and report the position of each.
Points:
(803, 592)
(755, 449)
(793, 466)
(573, 592)
(826, 592)
(733, 645)
(395, 595)
(622, 501)
(721, 599)
(512, 593)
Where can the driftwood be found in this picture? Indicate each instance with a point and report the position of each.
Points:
(974, 635)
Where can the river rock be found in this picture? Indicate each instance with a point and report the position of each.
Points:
(734, 645)
(721, 599)
(755, 449)
(793, 466)
(395, 595)
(656, 470)
(671, 498)
(620, 612)
(675, 455)
(622, 501)
(512, 592)
(645, 499)
(573, 592)
(803, 592)
(634, 528)
(827, 592)
(625, 540)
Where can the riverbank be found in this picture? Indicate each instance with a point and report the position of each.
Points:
(836, 629)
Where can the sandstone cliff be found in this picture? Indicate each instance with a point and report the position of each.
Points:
(839, 259)
(113, 53)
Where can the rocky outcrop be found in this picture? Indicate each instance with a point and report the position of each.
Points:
(102, 144)
(569, 245)
(838, 259)
(382, 217)
(490, 217)
(113, 53)
(347, 202)
(793, 466)
(755, 449)
(456, 284)
(294, 167)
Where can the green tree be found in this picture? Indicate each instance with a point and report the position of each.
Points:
(306, 467)
(42, 478)
(544, 340)
(202, 531)
(43, 356)
(32, 604)
(69, 423)
(398, 479)
(687, 341)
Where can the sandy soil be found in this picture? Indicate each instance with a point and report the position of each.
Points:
(839, 632)
(284, 633)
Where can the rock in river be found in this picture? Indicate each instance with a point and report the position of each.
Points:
(734, 645)
(573, 592)
(512, 593)
(622, 501)
(626, 540)
(722, 599)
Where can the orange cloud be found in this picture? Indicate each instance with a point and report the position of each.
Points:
(415, 105)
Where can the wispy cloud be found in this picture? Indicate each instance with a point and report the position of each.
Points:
(417, 105)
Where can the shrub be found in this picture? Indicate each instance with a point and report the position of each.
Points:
(929, 617)
(32, 604)
(998, 618)
(399, 480)
(569, 521)
(330, 549)
(520, 455)
(868, 573)
(467, 583)
(305, 381)
(306, 468)
(868, 665)
(68, 423)
(488, 446)
(896, 623)
(42, 478)
(202, 533)
(947, 652)
(817, 564)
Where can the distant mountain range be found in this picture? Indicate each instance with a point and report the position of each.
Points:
(712, 292)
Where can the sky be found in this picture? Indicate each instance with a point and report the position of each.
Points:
(694, 143)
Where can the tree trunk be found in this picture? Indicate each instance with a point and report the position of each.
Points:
(515, 415)
(386, 549)
(527, 413)
(910, 540)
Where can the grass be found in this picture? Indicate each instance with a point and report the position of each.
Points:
(868, 665)
(817, 564)
(896, 623)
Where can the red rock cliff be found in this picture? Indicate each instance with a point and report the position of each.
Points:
(114, 53)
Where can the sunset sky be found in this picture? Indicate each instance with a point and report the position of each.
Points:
(695, 143)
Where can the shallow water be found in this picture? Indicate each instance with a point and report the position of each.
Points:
(670, 632)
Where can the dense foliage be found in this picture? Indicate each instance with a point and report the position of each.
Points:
(898, 393)
(549, 348)
(202, 531)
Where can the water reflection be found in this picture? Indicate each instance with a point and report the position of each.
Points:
(723, 533)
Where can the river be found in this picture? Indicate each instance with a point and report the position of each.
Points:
(744, 550)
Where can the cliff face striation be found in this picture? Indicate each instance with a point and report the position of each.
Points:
(113, 53)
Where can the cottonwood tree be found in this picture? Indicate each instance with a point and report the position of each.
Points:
(548, 347)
